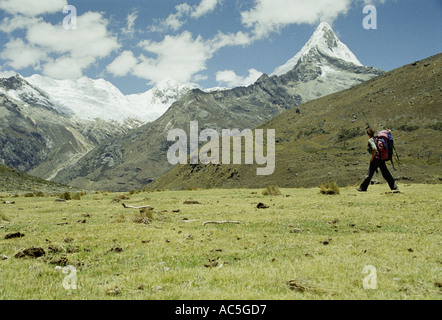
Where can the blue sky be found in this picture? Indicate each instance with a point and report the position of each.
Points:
(137, 43)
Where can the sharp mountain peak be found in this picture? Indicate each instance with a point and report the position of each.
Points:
(323, 42)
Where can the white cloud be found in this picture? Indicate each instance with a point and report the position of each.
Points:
(231, 39)
(231, 79)
(18, 22)
(181, 57)
(177, 57)
(21, 55)
(32, 7)
(205, 7)
(91, 37)
(176, 20)
(7, 73)
(271, 15)
(123, 65)
(130, 29)
(60, 53)
(66, 67)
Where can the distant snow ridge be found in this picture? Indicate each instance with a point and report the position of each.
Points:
(325, 41)
(90, 99)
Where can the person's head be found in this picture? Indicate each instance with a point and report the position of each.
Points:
(371, 132)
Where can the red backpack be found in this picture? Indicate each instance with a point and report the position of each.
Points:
(385, 144)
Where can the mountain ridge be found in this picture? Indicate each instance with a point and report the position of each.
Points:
(133, 160)
(326, 140)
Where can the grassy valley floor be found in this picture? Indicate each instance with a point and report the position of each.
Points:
(297, 245)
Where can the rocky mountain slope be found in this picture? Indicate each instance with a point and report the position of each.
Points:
(133, 160)
(48, 124)
(39, 138)
(326, 139)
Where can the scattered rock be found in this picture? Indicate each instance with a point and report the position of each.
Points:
(296, 230)
(14, 235)
(326, 242)
(60, 200)
(3, 257)
(54, 249)
(302, 285)
(62, 261)
(30, 252)
(262, 206)
(212, 263)
(176, 211)
(114, 291)
(156, 289)
(8, 202)
(73, 249)
(141, 287)
(191, 202)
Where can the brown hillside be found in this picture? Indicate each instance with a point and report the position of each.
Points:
(325, 139)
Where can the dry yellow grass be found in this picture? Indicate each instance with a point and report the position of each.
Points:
(269, 255)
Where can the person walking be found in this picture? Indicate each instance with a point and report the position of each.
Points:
(375, 163)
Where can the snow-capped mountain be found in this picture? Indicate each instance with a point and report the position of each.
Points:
(323, 67)
(323, 42)
(90, 99)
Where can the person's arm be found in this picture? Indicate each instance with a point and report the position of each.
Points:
(373, 155)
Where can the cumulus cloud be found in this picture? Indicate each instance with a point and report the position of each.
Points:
(7, 73)
(231, 79)
(21, 55)
(176, 20)
(205, 7)
(60, 53)
(271, 15)
(176, 57)
(18, 22)
(123, 65)
(32, 7)
(181, 57)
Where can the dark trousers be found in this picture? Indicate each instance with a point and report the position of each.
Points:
(385, 173)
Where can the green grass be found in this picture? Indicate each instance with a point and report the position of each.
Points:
(176, 257)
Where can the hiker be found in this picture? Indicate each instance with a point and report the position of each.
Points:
(375, 163)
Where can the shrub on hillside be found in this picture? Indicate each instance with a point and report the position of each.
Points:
(330, 188)
(271, 191)
(76, 196)
(348, 134)
(66, 196)
(40, 194)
